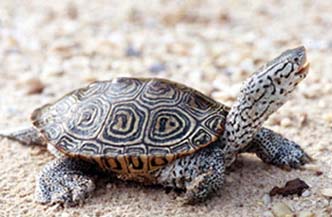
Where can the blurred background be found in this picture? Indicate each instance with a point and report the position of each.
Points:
(48, 48)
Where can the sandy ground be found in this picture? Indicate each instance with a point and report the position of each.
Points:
(48, 49)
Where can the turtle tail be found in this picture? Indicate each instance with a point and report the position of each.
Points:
(25, 136)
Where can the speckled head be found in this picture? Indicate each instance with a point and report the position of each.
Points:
(286, 70)
(278, 78)
(263, 93)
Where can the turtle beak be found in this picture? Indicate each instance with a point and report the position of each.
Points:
(304, 69)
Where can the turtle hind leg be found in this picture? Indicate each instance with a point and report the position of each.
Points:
(275, 149)
(25, 136)
(65, 181)
(199, 174)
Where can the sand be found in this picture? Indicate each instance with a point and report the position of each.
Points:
(49, 49)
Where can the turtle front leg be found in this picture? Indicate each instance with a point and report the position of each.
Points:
(66, 181)
(275, 149)
(199, 174)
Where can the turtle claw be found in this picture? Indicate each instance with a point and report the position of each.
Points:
(277, 150)
(294, 160)
(65, 196)
(307, 159)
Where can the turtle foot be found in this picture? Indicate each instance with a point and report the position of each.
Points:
(64, 181)
(277, 150)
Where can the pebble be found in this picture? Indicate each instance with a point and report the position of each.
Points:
(281, 210)
(303, 119)
(267, 214)
(72, 11)
(313, 92)
(34, 86)
(306, 193)
(179, 49)
(64, 48)
(90, 78)
(286, 122)
(266, 199)
(132, 52)
(295, 186)
(65, 214)
(53, 69)
(321, 203)
(328, 118)
(327, 192)
(157, 68)
(306, 214)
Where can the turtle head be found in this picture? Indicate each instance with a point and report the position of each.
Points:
(272, 83)
(281, 75)
(263, 93)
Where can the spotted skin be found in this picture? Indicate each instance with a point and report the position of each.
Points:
(274, 149)
(199, 174)
(65, 181)
(262, 94)
(156, 131)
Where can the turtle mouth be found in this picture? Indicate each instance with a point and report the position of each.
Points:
(304, 69)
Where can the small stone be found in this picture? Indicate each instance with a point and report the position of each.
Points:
(322, 203)
(132, 52)
(90, 79)
(306, 193)
(327, 192)
(64, 48)
(306, 214)
(328, 118)
(53, 69)
(72, 11)
(34, 86)
(229, 179)
(296, 186)
(179, 48)
(65, 214)
(157, 68)
(266, 199)
(281, 210)
(286, 122)
(267, 214)
(35, 152)
(224, 17)
(303, 119)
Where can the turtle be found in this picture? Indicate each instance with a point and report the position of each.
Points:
(159, 132)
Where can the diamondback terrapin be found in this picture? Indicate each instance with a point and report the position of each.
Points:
(157, 131)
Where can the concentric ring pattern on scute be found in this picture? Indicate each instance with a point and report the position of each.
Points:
(87, 118)
(169, 126)
(124, 125)
(158, 93)
(144, 122)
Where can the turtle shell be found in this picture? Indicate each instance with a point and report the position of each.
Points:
(131, 125)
